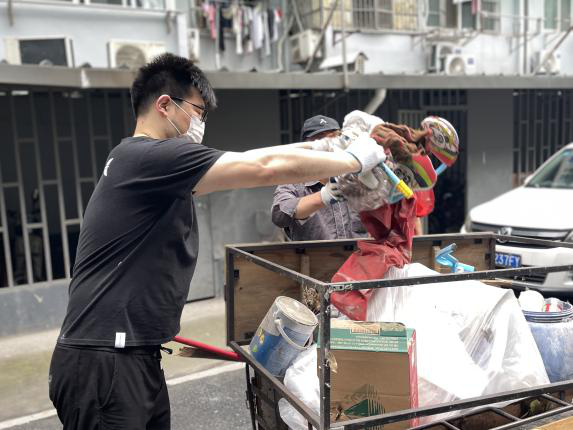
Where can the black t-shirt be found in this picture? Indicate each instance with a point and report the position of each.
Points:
(138, 245)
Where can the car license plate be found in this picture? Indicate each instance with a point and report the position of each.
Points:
(507, 260)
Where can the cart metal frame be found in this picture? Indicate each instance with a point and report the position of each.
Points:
(325, 289)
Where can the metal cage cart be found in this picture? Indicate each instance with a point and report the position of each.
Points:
(257, 274)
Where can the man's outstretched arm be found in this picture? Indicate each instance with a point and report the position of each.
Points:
(286, 164)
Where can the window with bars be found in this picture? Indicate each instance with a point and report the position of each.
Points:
(490, 22)
(557, 14)
(435, 13)
(370, 15)
(442, 13)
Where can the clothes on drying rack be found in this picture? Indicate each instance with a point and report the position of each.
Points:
(254, 27)
(225, 21)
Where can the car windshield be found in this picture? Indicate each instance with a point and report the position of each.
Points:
(558, 173)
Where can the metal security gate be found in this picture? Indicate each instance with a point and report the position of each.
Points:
(53, 149)
(543, 124)
(401, 106)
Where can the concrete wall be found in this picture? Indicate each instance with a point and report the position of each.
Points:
(90, 27)
(500, 53)
(388, 53)
(118, 23)
(244, 120)
(490, 145)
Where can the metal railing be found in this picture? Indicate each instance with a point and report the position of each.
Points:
(543, 124)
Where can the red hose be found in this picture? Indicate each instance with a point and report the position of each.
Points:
(223, 353)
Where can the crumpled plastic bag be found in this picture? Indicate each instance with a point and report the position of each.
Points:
(472, 340)
(361, 198)
(392, 227)
(301, 379)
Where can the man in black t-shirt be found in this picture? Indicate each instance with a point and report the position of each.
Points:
(139, 242)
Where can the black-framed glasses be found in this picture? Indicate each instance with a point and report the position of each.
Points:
(204, 111)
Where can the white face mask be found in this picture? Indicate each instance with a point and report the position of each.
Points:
(196, 129)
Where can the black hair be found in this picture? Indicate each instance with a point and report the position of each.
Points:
(172, 75)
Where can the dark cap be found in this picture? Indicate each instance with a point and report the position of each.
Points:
(318, 124)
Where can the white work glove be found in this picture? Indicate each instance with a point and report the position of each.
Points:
(368, 153)
(331, 193)
(361, 120)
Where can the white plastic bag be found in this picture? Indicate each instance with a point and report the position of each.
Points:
(472, 339)
(301, 379)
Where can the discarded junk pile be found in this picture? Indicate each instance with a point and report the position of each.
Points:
(407, 346)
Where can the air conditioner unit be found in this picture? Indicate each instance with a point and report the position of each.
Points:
(552, 64)
(460, 64)
(132, 55)
(302, 46)
(438, 56)
(194, 44)
(44, 51)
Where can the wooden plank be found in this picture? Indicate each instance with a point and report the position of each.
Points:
(325, 262)
(256, 288)
(475, 252)
(565, 424)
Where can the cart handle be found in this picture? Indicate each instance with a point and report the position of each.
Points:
(223, 353)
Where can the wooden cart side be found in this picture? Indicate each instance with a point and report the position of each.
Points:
(251, 288)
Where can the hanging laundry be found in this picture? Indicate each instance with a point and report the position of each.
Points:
(247, 15)
(271, 22)
(225, 21)
(238, 27)
(210, 12)
(266, 33)
(257, 28)
(277, 15)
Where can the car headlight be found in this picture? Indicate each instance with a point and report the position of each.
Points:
(468, 224)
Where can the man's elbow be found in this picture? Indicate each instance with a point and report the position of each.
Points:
(279, 218)
(267, 175)
(266, 171)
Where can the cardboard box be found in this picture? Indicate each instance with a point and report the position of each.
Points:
(373, 371)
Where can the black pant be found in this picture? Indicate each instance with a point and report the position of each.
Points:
(108, 388)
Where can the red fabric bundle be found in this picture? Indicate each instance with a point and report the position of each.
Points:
(424, 202)
(392, 227)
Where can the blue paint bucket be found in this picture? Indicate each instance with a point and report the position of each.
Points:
(284, 333)
(553, 333)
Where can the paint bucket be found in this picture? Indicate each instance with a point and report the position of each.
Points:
(553, 333)
(284, 333)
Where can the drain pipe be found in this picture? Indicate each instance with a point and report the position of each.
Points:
(344, 58)
(376, 101)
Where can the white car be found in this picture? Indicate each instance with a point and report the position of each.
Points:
(542, 209)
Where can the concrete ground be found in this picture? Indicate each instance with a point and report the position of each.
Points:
(25, 360)
(213, 402)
